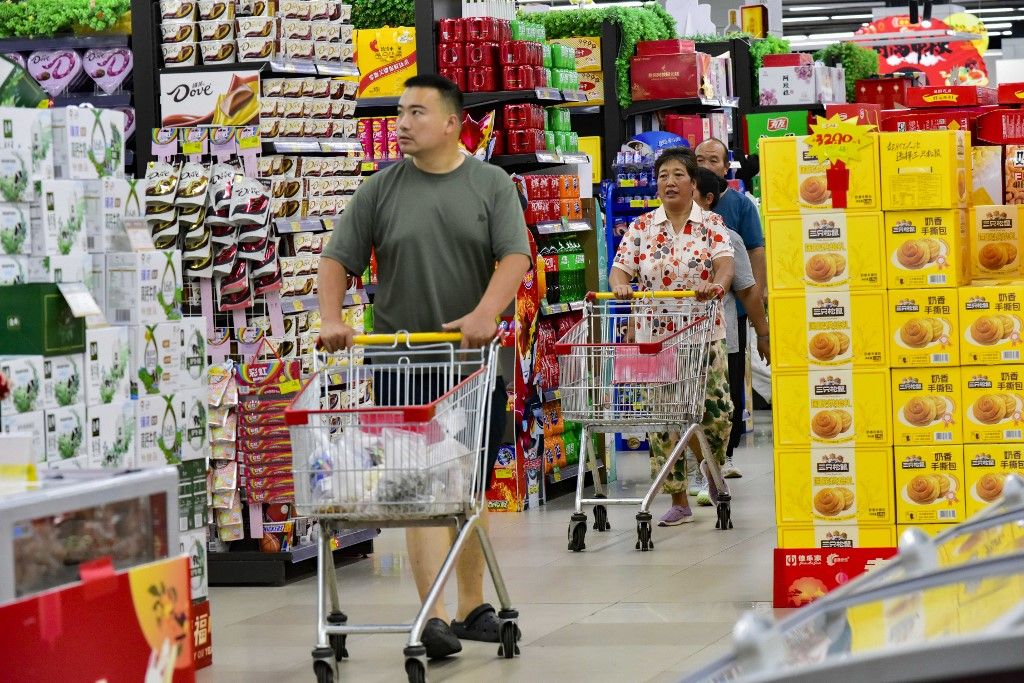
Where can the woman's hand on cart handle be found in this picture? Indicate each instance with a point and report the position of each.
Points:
(335, 336)
(623, 291)
(478, 330)
(708, 290)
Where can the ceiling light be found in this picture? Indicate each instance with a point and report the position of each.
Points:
(994, 53)
(802, 20)
(815, 8)
(1007, 33)
(808, 8)
(1002, 25)
(840, 17)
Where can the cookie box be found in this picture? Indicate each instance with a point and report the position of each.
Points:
(987, 467)
(829, 328)
(924, 327)
(993, 403)
(929, 484)
(990, 324)
(925, 169)
(833, 407)
(926, 249)
(828, 486)
(994, 242)
(926, 406)
(836, 536)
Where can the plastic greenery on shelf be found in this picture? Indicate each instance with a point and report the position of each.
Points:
(649, 22)
(381, 13)
(45, 18)
(858, 62)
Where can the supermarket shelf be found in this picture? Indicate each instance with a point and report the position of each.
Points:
(681, 103)
(557, 309)
(121, 99)
(562, 226)
(585, 111)
(214, 68)
(373, 165)
(276, 66)
(569, 472)
(253, 568)
(63, 43)
(773, 108)
(574, 96)
(538, 160)
(310, 145)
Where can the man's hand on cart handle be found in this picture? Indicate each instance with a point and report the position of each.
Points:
(335, 336)
(478, 330)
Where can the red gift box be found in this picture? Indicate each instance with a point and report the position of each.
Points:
(692, 128)
(950, 96)
(202, 635)
(649, 48)
(869, 114)
(791, 59)
(802, 575)
(903, 120)
(665, 77)
(1010, 93)
(1001, 127)
(885, 92)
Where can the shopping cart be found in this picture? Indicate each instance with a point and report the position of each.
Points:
(413, 460)
(637, 364)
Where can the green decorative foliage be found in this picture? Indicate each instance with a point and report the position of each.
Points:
(859, 62)
(759, 48)
(381, 13)
(650, 22)
(43, 18)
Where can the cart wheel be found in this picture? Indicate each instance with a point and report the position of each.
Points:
(416, 670)
(338, 640)
(643, 532)
(324, 672)
(601, 518)
(578, 532)
(509, 648)
(724, 516)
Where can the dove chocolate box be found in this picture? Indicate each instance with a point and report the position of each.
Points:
(987, 467)
(926, 406)
(829, 328)
(827, 250)
(924, 327)
(994, 240)
(990, 324)
(218, 98)
(832, 407)
(993, 402)
(929, 484)
(926, 249)
(834, 486)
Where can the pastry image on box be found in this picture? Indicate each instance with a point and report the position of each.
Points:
(832, 250)
(994, 239)
(838, 328)
(926, 406)
(990, 324)
(833, 407)
(987, 467)
(834, 485)
(992, 404)
(924, 326)
(925, 170)
(926, 249)
(929, 484)
(836, 536)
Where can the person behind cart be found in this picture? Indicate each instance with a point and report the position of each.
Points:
(740, 215)
(680, 246)
(437, 223)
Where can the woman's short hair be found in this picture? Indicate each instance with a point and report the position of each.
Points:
(709, 182)
(683, 155)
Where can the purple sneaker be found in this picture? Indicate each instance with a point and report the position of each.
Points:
(676, 515)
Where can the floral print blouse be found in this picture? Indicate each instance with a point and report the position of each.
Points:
(652, 253)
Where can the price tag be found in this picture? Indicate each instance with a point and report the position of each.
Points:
(837, 140)
(547, 157)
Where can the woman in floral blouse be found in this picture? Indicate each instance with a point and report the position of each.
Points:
(681, 246)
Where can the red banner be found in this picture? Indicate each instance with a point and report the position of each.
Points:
(802, 575)
(943, 62)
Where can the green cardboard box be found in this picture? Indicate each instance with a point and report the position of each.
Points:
(774, 125)
(35, 319)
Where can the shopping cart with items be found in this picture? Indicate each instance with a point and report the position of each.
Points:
(414, 459)
(640, 363)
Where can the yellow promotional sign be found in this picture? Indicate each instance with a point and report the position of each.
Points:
(836, 139)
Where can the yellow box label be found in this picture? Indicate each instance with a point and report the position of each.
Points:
(995, 234)
(993, 399)
(794, 181)
(926, 407)
(832, 407)
(929, 484)
(386, 58)
(815, 250)
(829, 486)
(990, 324)
(924, 327)
(588, 51)
(926, 248)
(987, 469)
(836, 536)
(829, 328)
(925, 169)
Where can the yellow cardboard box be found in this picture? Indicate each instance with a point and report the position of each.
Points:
(990, 324)
(829, 328)
(929, 484)
(987, 467)
(591, 83)
(925, 169)
(837, 536)
(386, 58)
(834, 486)
(592, 145)
(992, 400)
(828, 250)
(832, 407)
(930, 529)
(995, 242)
(927, 249)
(588, 51)
(794, 181)
(987, 174)
(925, 328)
(926, 406)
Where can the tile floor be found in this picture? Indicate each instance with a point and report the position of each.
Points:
(608, 614)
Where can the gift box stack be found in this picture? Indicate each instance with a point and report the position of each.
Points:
(797, 79)
(590, 77)
(670, 69)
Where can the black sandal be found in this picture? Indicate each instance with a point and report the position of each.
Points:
(482, 624)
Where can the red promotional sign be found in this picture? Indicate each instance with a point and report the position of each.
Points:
(944, 63)
(802, 575)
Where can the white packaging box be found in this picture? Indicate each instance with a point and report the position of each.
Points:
(196, 436)
(193, 544)
(15, 227)
(805, 84)
(63, 380)
(111, 434)
(66, 443)
(154, 362)
(143, 288)
(193, 353)
(88, 143)
(107, 364)
(157, 431)
(25, 378)
(96, 280)
(26, 151)
(32, 425)
(838, 84)
(105, 205)
(71, 268)
(13, 270)
(58, 218)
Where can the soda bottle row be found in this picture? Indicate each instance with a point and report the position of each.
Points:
(564, 269)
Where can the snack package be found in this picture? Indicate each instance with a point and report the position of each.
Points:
(993, 403)
(834, 486)
(926, 406)
(829, 250)
(828, 328)
(929, 484)
(990, 324)
(927, 248)
(925, 327)
(995, 239)
(987, 467)
(832, 407)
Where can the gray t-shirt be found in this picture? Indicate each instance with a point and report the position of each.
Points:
(742, 279)
(436, 237)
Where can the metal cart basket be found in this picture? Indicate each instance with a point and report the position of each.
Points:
(638, 364)
(413, 459)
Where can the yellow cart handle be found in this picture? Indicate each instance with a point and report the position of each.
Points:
(681, 294)
(407, 338)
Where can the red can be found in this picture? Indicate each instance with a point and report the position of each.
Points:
(525, 141)
(481, 54)
(499, 142)
(451, 55)
(517, 116)
(481, 79)
(451, 30)
(540, 77)
(482, 29)
(518, 77)
(455, 74)
(517, 52)
(504, 30)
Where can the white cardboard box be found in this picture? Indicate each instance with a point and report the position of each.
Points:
(58, 218)
(26, 152)
(112, 434)
(15, 226)
(66, 443)
(805, 84)
(154, 358)
(13, 270)
(143, 288)
(88, 143)
(106, 203)
(193, 544)
(63, 380)
(158, 431)
(25, 378)
(107, 364)
(58, 268)
(32, 425)
(195, 430)
(193, 353)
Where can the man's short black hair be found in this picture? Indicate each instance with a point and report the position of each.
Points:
(683, 155)
(450, 93)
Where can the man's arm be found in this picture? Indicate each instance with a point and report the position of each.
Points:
(479, 327)
(753, 237)
(334, 334)
(752, 301)
(759, 264)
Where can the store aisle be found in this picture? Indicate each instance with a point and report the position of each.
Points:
(609, 614)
